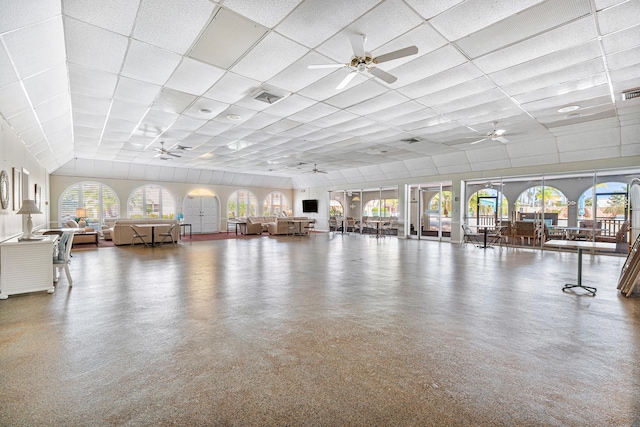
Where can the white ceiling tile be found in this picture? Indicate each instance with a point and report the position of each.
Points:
(274, 53)
(314, 112)
(569, 35)
(530, 22)
(194, 77)
(136, 91)
(430, 9)
(562, 89)
(13, 100)
(398, 20)
(622, 16)
(91, 82)
(314, 21)
(149, 63)
(172, 25)
(20, 13)
(452, 77)
(37, 47)
(232, 88)
(7, 72)
(622, 40)
(432, 63)
(466, 89)
(356, 94)
(173, 101)
(535, 160)
(475, 14)
(267, 12)
(48, 84)
(117, 15)
(326, 86)
(298, 75)
(624, 58)
(593, 154)
(380, 102)
(83, 40)
(290, 105)
(548, 63)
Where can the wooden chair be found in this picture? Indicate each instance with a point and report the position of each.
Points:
(137, 235)
(525, 230)
(64, 253)
(168, 235)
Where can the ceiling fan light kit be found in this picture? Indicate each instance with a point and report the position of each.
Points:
(362, 61)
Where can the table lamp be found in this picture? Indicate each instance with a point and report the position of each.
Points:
(29, 207)
(81, 214)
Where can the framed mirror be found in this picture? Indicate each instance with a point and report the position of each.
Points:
(4, 189)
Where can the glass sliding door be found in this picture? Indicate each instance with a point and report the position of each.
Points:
(430, 211)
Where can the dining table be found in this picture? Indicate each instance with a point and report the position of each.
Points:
(581, 245)
(152, 227)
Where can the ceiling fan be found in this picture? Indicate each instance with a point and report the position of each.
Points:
(494, 135)
(315, 170)
(362, 61)
(164, 152)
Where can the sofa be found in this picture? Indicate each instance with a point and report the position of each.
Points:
(107, 227)
(83, 236)
(258, 224)
(122, 234)
(281, 225)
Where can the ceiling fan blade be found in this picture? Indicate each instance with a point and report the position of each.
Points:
(499, 132)
(383, 75)
(396, 54)
(357, 43)
(174, 155)
(501, 139)
(346, 80)
(322, 172)
(320, 66)
(480, 140)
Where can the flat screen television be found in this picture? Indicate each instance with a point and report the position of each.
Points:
(310, 205)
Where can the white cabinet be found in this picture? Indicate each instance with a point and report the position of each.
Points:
(27, 266)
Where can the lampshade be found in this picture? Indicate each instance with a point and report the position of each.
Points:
(81, 213)
(29, 207)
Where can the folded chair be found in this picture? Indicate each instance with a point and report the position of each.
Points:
(137, 235)
(470, 236)
(167, 235)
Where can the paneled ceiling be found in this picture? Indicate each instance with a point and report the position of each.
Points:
(93, 87)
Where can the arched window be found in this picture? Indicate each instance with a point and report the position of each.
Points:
(611, 201)
(99, 200)
(381, 208)
(242, 203)
(335, 208)
(275, 203)
(152, 201)
(530, 203)
(434, 203)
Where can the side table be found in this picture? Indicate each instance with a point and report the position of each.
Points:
(183, 231)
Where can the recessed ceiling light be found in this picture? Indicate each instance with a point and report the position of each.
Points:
(233, 117)
(568, 108)
(205, 111)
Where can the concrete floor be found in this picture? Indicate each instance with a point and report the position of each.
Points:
(316, 330)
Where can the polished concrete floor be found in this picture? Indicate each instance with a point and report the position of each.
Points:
(326, 330)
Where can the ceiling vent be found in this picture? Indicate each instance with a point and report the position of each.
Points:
(269, 98)
(410, 140)
(630, 94)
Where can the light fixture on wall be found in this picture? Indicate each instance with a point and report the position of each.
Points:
(29, 208)
(356, 199)
(81, 214)
(571, 203)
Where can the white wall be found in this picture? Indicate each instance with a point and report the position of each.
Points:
(14, 154)
(124, 188)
